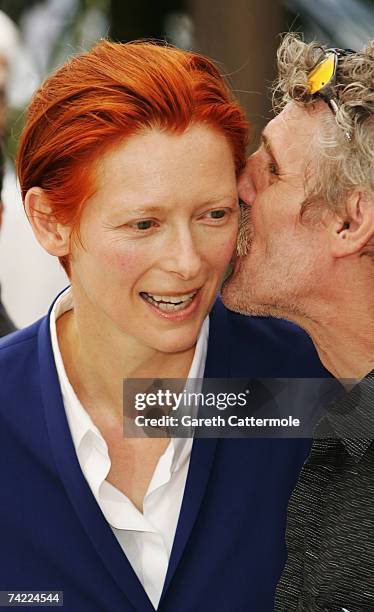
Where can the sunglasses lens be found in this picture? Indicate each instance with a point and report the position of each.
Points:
(322, 74)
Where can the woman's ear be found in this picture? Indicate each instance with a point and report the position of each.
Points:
(51, 235)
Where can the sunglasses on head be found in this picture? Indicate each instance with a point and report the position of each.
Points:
(322, 79)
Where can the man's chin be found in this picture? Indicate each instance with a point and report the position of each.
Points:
(243, 303)
(238, 300)
(233, 298)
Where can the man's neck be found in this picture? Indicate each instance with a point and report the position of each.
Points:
(343, 334)
(347, 355)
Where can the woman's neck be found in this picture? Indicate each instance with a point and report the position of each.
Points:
(97, 361)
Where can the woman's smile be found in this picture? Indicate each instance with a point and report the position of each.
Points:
(175, 307)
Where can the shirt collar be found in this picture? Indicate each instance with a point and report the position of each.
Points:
(353, 415)
(80, 422)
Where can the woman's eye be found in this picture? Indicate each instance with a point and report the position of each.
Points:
(217, 214)
(143, 225)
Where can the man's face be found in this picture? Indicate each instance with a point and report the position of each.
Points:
(287, 258)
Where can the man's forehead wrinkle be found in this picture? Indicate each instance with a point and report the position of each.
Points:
(275, 145)
(268, 145)
(309, 166)
(292, 138)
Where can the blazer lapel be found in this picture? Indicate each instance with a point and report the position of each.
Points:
(201, 462)
(88, 511)
(203, 450)
(76, 487)
(219, 347)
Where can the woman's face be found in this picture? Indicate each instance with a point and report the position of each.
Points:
(157, 236)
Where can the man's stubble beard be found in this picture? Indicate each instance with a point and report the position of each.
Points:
(234, 295)
(245, 233)
(240, 297)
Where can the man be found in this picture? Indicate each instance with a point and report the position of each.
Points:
(309, 237)
(6, 324)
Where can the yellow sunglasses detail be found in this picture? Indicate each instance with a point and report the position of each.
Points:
(322, 74)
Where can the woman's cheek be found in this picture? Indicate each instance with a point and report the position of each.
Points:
(226, 248)
(127, 260)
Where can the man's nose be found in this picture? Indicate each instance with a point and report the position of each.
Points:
(246, 187)
(184, 257)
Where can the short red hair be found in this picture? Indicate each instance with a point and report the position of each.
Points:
(106, 95)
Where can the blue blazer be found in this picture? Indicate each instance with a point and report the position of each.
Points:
(229, 547)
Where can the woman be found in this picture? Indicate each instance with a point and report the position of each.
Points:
(127, 165)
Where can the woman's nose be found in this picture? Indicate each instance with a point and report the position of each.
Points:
(184, 256)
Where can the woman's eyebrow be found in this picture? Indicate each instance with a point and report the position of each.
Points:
(145, 210)
(142, 210)
(123, 208)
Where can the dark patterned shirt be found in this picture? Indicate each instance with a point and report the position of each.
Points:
(330, 530)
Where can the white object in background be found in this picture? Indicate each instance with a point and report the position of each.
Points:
(29, 277)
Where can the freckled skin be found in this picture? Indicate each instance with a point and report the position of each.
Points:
(186, 176)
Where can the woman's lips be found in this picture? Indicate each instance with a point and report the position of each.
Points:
(174, 306)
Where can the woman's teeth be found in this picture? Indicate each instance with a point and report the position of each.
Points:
(169, 303)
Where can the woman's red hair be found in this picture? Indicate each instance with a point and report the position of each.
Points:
(106, 95)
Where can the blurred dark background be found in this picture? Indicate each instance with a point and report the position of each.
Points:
(241, 35)
(36, 36)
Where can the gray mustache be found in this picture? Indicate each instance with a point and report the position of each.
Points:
(245, 234)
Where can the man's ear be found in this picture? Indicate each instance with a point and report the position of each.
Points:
(353, 229)
(51, 235)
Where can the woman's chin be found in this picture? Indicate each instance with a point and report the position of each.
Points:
(176, 345)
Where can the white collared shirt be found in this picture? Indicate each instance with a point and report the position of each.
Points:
(146, 538)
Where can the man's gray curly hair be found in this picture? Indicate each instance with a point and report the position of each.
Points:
(342, 164)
